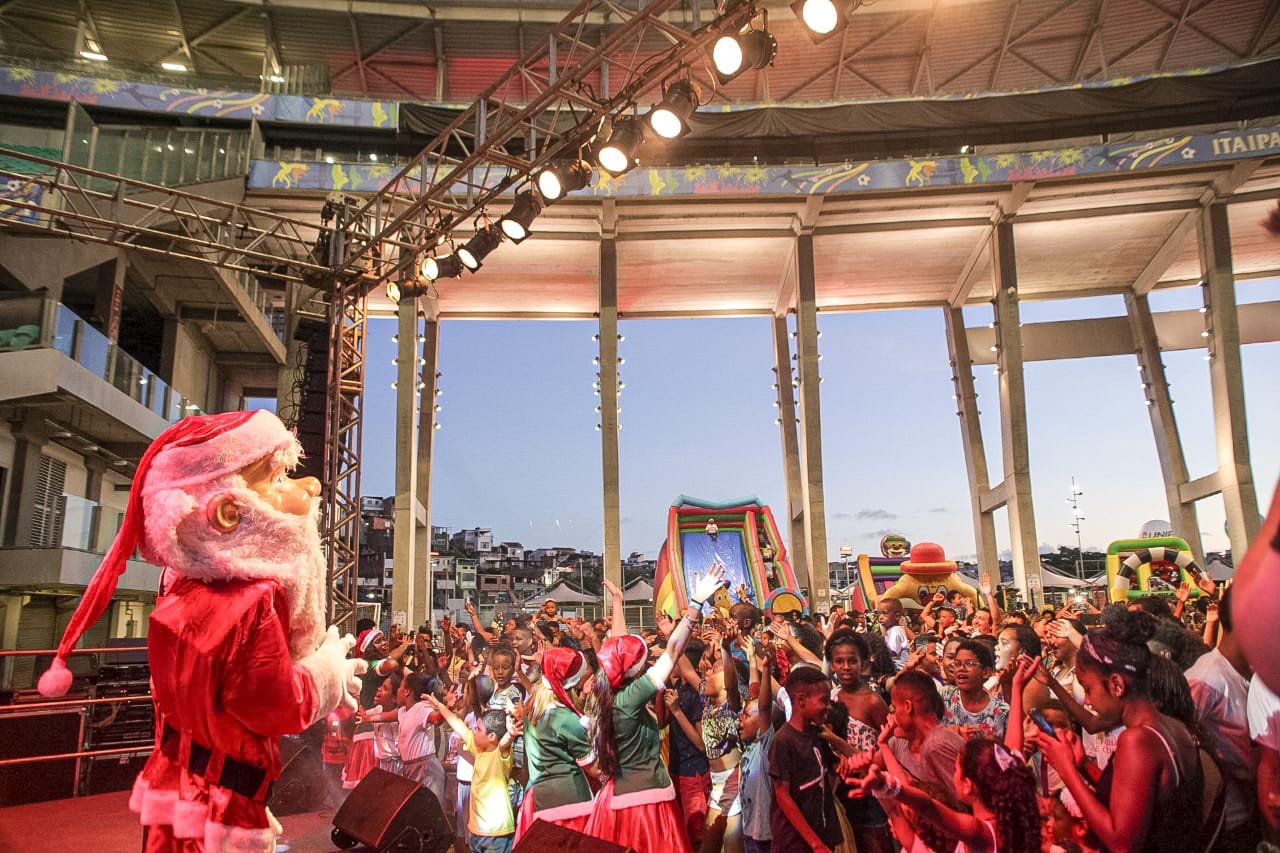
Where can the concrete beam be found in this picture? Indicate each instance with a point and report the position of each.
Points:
(1226, 378)
(815, 513)
(1164, 424)
(790, 446)
(429, 375)
(1259, 322)
(975, 457)
(1198, 489)
(609, 399)
(1013, 415)
(406, 596)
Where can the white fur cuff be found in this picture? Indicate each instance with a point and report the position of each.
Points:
(157, 808)
(220, 838)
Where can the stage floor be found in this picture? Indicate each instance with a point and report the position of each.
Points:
(104, 824)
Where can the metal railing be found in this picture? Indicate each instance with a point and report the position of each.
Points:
(28, 322)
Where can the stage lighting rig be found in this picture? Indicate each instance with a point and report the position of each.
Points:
(670, 118)
(475, 250)
(408, 290)
(515, 223)
(823, 18)
(441, 266)
(734, 53)
(618, 155)
(557, 180)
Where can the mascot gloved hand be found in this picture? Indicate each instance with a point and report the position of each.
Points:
(336, 675)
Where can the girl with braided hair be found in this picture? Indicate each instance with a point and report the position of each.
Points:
(1149, 797)
(995, 783)
(636, 807)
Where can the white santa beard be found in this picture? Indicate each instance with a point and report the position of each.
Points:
(267, 544)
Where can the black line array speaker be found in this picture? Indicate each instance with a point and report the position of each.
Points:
(391, 813)
(543, 837)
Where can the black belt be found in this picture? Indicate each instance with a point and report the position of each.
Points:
(234, 775)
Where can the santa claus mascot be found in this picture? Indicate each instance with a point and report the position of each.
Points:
(237, 642)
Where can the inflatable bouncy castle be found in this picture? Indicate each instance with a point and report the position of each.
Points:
(1156, 565)
(739, 535)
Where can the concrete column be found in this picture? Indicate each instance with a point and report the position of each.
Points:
(424, 581)
(794, 527)
(815, 512)
(1222, 323)
(96, 468)
(30, 436)
(1013, 415)
(1164, 423)
(405, 594)
(975, 456)
(609, 405)
(10, 618)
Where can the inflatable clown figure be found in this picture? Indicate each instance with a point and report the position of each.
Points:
(928, 569)
(237, 643)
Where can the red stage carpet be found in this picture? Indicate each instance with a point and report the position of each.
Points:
(104, 824)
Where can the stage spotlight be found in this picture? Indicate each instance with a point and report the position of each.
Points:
(515, 224)
(397, 291)
(734, 53)
(822, 18)
(445, 266)
(475, 250)
(670, 119)
(554, 182)
(618, 155)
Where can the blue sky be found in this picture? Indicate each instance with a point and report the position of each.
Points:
(519, 452)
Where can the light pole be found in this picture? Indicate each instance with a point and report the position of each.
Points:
(846, 551)
(1074, 524)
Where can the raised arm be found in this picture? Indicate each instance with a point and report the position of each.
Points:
(1025, 672)
(619, 626)
(671, 699)
(702, 590)
(993, 606)
(459, 727)
(966, 827)
(764, 699)
(475, 622)
(730, 667)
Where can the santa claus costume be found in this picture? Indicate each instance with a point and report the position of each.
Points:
(238, 651)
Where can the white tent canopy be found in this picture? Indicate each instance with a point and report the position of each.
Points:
(1220, 571)
(641, 590)
(562, 593)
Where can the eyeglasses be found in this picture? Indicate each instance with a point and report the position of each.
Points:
(968, 664)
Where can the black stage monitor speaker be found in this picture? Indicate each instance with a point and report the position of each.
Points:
(391, 813)
(543, 837)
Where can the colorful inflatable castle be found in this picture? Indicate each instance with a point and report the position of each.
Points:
(739, 535)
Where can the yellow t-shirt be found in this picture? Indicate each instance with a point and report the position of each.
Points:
(490, 803)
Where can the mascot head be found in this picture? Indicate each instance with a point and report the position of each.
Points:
(892, 545)
(211, 502)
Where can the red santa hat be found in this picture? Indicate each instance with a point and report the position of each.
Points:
(198, 449)
(562, 670)
(622, 658)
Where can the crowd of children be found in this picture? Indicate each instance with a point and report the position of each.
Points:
(955, 728)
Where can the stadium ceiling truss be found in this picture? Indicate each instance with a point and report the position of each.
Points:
(441, 52)
(543, 100)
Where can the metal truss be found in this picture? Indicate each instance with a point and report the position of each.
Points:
(542, 110)
(344, 418)
(71, 201)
